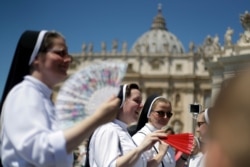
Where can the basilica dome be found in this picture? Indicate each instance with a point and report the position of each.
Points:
(158, 39)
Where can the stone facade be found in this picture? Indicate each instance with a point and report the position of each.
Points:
(159, 64)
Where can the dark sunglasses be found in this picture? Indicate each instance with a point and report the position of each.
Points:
(200, 123)
(162, 114)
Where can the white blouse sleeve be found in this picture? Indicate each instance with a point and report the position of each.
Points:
(138, 138)
(104, 147)
(27, 126)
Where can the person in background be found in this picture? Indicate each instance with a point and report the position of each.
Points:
(80, 155)
(29, 135)
(196, 154)
(202, 125)
(229, 127)
(170, 131)
(202, 130)
(112, 146)
(155, 115)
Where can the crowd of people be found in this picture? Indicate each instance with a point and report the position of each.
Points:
(123, 132)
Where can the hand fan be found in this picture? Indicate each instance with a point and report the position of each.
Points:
(178, 154)
(87, 89)
(182, 142)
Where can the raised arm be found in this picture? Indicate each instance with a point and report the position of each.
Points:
(130, 158)
(105, 113)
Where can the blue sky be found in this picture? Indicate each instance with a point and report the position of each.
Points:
(104, 20)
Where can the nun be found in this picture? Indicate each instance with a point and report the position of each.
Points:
(202, 130)
(112, 146)
(155, 115)
(29, 135)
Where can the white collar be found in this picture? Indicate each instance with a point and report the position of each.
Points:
(151, 127)
(39, 85)
(121, 124)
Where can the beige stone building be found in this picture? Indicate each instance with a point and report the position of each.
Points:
(159, 64)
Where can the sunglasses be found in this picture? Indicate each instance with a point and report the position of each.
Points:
(200, 123)
(162, 114)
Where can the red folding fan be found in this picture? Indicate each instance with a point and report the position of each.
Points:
(182, 142)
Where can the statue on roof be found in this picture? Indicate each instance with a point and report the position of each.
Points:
(245, 21)
(84, 47)
(191, 46)
(212, 45)
(103, 46)
(209, 40)
(124, 46)
(228, 37)
(216, 43)
(90, 47)
(115, 44)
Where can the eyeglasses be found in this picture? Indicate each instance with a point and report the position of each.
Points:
(162, 114)
(62, 53)
(200, 123)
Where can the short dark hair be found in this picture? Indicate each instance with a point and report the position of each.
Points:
(130, 87)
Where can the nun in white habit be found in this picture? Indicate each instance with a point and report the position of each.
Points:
(112, 146)
(155, 115)
(29, 135)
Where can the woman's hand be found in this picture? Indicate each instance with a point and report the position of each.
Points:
(105, 113)
(108, 110)
(156, 160)
(163, 147)
(151, 139)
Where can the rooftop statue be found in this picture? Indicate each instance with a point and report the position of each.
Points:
(84, 47)
(124, 46)
(216, 43)
(103, 46)
(245, 21)
(91, 47)
(191, 46)
(228, 36)
(114, 45)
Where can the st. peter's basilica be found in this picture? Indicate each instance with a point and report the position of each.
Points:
(159, 64)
